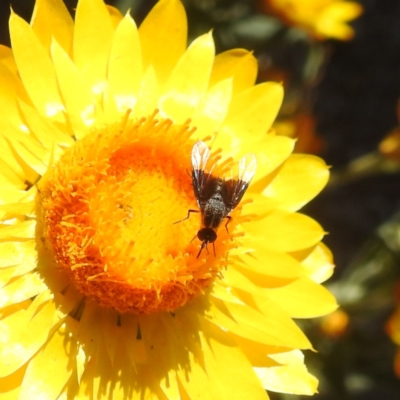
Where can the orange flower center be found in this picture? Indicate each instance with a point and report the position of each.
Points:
(108, 209)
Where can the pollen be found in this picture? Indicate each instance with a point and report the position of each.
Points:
(109, 209)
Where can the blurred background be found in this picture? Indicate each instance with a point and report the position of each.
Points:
(340, 64)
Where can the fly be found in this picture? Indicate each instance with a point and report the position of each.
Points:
(217, 197)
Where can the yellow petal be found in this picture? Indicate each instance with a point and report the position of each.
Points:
(90, 327)
(271, 152)
(319, 263)
(50, 369)
(15, 210)
(216, 349)
(11, 169)
(21, 230)
(148, 94)
(110, 332)
(51, 19)
(160, 50)
(125, 66)
(92, 42)
(10, 385)
(163, 357)
(8, 178)
(24, 333)
(115, 15)
(252, 112)
(79, 99)
(23, 288)
(22, 255)
(7, 59)
(332, 21)
(11, 195)
(136, 347)
(5, 312)
(257, 353)
(46, 132)
(238, 64)
(36, 69)
(238, 379)
(10, 87)
(275, 329)
(282, 232)
(188, 81)
(303, 298)
(5, 275)
(264, 266)
(291, 377)
(33, 154)
(212, 109)
(256, 206)
(299, 180)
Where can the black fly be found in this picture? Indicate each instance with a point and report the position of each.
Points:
(216, 196)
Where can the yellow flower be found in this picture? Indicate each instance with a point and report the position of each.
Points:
(323, 19)
(102, 295)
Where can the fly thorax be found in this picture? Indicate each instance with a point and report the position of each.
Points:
(214, 211)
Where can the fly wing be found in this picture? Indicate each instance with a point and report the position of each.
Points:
(202, 180)
(239, 182)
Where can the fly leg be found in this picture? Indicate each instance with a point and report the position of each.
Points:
(227, 222)
(188, 215)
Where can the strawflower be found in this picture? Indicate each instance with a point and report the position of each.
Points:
(102, 294)
(322, 19)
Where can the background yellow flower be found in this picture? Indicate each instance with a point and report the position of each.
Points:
(320, 18)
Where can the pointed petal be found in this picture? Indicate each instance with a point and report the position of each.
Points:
(238, 380)
(212, 109)
(33, 154)
(47, 133)
(163, 35)
(290, 377)
(319, 263)
(23, 333)
(115, 15)
(21, 255)
(274, 329)
(79, 100)
(10, 88)
(283, 232)
(303, 298)
(92, 42)
(51, 19)
(36, 69)
(125, 66)
(188, 81)
(50, 369)
(299, 180)
(148, 94)
(253, 111)
(268, 268)
(10, 385)
(23, 288)
(8, 178)
(238, 64)
(11, 167)
(7, 59)
(21, 230)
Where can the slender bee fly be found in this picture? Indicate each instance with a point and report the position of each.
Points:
(216, 196)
